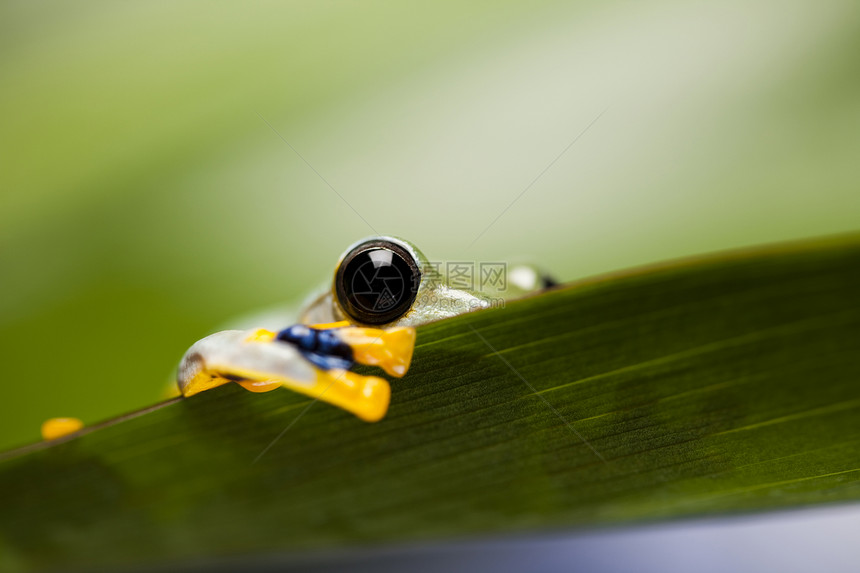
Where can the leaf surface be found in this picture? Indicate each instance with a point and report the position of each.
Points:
(729, 383)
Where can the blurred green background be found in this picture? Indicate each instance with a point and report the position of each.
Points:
(145, 201)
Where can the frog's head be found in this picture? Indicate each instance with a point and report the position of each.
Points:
(387, 281)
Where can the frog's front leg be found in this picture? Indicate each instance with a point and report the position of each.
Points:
(259, 363)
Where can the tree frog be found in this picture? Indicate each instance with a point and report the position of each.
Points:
(383, 287)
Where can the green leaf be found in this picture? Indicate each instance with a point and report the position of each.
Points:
(724, 384)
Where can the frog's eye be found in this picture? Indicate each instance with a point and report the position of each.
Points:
(377, 282)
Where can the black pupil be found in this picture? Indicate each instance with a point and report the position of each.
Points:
(377, 285)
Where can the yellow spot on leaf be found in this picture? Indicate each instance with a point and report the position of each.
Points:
(58, 427)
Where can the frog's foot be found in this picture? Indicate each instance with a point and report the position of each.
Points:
(367, 397)
(390, 349)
